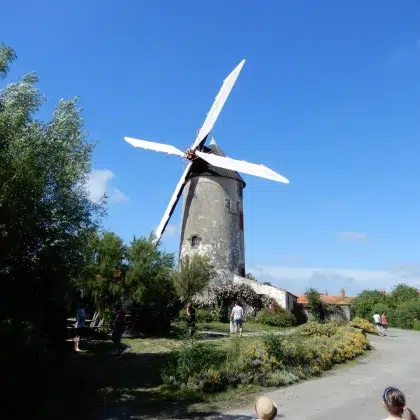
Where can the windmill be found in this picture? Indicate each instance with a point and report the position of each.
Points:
(212, 157)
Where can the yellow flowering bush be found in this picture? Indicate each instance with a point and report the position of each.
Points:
(272, 360)
(364, 325)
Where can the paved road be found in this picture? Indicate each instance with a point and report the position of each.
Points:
(353, 392)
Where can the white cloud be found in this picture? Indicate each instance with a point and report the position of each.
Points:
(298, 279)
(353, 236)
(98, 184)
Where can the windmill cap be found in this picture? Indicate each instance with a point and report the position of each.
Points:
(265, 408)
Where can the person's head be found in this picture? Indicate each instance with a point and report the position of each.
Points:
(265, 408)
(383, 313)
(237, 303)
(394, 401)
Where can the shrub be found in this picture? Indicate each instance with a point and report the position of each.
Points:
(203, 315)
(364, 325)
(407, 314)
(189, 361)
(276, 317)
(317, 329)
(273, 360)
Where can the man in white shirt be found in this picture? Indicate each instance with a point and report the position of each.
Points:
(237, 317)
(377, 321)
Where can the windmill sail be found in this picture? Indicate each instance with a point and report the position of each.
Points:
(217, 106)
(157, 147)
(172, 203)
(261, 171)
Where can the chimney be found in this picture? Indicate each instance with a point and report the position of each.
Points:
(343, 294)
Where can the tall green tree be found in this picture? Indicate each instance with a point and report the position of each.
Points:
(151, 292)
(46, 218)
(104, 278)
(366, 301)
(192, 276)
(315, 305)
(402, 293)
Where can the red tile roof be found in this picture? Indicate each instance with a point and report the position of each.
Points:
(336, 300)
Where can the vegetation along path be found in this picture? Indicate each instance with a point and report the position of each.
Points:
(354, 391)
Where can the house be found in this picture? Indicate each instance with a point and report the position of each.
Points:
(342, 301)
(284, 298)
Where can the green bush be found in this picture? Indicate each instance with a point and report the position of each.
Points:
(202, 315)
(276, 317)
(189, 361)
(407, 314)
(273, 360)
(316, 329)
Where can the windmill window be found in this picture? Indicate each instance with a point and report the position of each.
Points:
(239, 190)
(195, 241)
(227, 204)
(238, 205)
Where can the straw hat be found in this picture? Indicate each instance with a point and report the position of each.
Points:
(265, 408)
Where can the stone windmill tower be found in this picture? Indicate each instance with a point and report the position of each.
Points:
(212, 220)
(212, 215)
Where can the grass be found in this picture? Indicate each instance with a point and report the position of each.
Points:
(100, 386)
(247, 327)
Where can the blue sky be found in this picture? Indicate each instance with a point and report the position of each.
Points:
(329, 97)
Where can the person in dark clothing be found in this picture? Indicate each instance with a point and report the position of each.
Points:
(191, 318)
(118, 329)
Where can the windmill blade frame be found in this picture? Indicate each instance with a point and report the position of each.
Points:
(172, 203)
(157, 147)
(217, 106)
(243, 166)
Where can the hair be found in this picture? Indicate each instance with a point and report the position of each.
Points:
(394, 401)
(238, 303)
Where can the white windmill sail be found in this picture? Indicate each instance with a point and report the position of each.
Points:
(242, 166)
(172, 203)
(217, 106)
(157, 147)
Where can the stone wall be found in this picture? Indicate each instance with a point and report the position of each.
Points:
(285, 299)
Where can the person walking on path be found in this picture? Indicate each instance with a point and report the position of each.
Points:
(384, 322)
(394, 402)
(237, 316)
(191, 318)
(80, 324)
(377, 321)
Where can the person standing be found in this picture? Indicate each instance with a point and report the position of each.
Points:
(384, 322)
(191, 318)
(377, 322)
(80, 324)
(237, 316)
(118, 329)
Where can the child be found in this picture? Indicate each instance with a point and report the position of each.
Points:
(265, 409)
(394, 401)
(80, 324)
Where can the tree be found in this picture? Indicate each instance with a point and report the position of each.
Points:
(402, 293)
(46, 219)
(267, 283)
(192, 276)
(250, 276)
(366, 301)
(104, 278)
(315, 305)
(150, 289)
